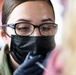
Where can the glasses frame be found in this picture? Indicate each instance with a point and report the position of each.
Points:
(13, 26)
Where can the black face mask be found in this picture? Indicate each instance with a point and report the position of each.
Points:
(38, 45)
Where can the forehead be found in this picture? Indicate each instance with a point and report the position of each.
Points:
(32, 10)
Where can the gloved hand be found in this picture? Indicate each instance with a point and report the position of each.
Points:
(29, 67)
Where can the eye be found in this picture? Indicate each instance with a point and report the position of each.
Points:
(45, 28)
(23, 29)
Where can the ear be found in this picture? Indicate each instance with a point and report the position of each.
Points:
(3, 35)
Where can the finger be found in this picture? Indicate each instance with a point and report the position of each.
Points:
(30, 62)
(33, 70)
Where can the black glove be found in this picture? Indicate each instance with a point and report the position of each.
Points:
(29, 67)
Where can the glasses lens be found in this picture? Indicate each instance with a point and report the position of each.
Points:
(24, 29)
(48, 29)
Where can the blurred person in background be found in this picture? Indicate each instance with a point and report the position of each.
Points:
(28, 30)
(69, 39)
(55, 63)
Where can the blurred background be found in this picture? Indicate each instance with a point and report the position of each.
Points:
(60, 8)
(1, 41)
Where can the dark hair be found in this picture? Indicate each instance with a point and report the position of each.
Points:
(9, 5)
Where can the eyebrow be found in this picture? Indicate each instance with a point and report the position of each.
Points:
(44, 20)
(24, 20)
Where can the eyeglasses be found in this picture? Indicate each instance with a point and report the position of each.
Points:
(26, 29)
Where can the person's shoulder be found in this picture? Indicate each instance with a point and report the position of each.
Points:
(55, 62)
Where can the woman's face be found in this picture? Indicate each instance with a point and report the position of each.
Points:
(35, 12)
